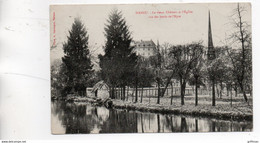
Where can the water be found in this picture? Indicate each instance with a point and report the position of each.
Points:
(74, 118)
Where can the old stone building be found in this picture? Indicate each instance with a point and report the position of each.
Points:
(144, 48)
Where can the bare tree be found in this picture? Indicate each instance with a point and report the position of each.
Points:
(183, 60)
(242, 58)
(198, 73)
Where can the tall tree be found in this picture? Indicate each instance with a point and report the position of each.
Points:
(198, 72)
(76, 60)
(119, 61)
(183, 59)
(145, 73)
(241, 37)
(157, 64)
(222, 72)
(167, 74)
(216, 72)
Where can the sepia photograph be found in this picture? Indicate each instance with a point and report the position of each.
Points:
(151, 68)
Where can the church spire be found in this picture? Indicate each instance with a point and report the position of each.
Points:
(211, 51)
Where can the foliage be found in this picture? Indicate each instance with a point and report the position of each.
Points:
(184, 58)
(241, 58)
(76, 61)
(145, 73)
(119, 62)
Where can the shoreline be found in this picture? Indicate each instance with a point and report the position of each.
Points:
(182, 111)
(217, 112)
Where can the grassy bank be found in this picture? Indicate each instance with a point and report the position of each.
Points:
(223, 109)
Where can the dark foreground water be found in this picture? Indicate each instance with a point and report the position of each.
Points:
(71, 118)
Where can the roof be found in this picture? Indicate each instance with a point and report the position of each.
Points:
(99, 85)
(142, 43)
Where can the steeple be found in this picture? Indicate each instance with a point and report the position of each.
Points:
(211, 51)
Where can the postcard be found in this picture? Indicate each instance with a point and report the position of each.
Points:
(151, 68)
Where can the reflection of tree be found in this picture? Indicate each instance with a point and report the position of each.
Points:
(168, 123)
(213, 126)
(84, 118)
(120, 122)
(75, 119)
(158, 122)
(184, 127)
(142, 123)
(148, 122)
(175, 121)
(196, 125)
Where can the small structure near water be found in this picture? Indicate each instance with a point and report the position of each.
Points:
(101, 90)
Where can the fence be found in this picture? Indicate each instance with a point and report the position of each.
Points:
(153, 91)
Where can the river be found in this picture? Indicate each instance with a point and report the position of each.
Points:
(83, 118)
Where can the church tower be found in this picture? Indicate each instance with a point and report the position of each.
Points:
(211, 51)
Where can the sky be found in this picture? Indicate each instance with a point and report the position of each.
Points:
(190, 27)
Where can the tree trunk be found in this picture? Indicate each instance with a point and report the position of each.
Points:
(221, 88)
(183, 86)
(149, 91)
(250, 90)
(120, 93)
(231, 90)
(167, 83)
(96, 92)
(171, 94)
(242, 39)
(158, 97)
(112, 93)
(115, 93)
(136, 86)
(235, 91)
(231, 100)
(149, 95)
(142, 92)
(196, 91)
(242, 89)
(133, 94)
(124, 92)
(227, 90)
(217, 90)
(86, 91)
(213, 93)
(127, 93)
(136, 92)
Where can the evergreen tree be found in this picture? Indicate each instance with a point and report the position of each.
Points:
(76, 61)
(119, 61)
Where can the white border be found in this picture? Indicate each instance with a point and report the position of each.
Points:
(24, 78)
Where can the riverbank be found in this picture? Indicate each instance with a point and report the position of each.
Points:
(238, 111)
(219, 111)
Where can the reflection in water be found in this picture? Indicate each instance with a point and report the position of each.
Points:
(72, 118)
